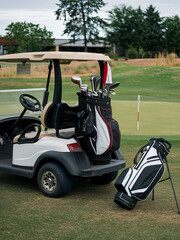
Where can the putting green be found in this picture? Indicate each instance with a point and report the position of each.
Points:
(156, 118)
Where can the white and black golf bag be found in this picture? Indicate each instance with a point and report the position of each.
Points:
(137, 183)
(97, 132)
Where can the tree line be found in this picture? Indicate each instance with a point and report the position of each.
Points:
(145, 33)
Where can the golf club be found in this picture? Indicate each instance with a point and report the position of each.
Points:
(96, 81)
(84, 89)
(100, 93)
(111, 86)
(76, 80)
(94, 94)
(112, 92)
(91, 80)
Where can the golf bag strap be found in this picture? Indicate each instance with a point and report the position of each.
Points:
(140, 151)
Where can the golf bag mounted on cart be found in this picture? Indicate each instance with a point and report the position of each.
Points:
(97, 132)
(137, 183)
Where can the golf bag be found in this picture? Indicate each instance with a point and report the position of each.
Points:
(97, 132)
(137, 183)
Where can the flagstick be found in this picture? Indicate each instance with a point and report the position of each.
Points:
(138, 113)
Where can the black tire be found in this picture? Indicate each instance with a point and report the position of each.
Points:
(53, 180)
(105, 179)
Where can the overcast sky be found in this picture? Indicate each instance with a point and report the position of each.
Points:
(42, 12)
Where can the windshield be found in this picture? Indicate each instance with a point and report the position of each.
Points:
(14, 82)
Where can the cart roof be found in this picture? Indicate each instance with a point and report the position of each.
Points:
(45, 56)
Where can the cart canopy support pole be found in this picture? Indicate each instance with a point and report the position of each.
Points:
(101, 65)
(46, 93)
(58, 82)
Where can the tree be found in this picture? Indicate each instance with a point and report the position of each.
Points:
(121, 29)
(172, 34)
(153, 31)
(28, 37)
(138, 30)
(80, 20)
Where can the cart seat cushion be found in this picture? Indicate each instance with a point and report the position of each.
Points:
(44, 113)
(48, 133)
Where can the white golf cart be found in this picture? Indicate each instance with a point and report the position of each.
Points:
(54, 155)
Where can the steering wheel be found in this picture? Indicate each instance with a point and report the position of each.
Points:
(30, 102)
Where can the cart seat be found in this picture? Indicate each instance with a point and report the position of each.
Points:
(65, 133)
(47, 114)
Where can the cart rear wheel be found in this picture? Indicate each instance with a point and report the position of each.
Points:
(105, 179)
(53, 180)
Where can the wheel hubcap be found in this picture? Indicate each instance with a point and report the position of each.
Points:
(49, 181)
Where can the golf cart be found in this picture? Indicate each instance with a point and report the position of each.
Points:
(73, 142)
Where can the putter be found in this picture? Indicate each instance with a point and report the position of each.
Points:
(76, 80)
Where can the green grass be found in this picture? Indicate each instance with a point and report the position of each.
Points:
(89, 212)
(156, 118)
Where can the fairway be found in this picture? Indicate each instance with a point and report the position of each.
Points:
(156, 118)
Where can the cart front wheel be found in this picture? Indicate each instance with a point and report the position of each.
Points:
(53, 180)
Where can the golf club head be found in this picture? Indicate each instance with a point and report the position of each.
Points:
(91, 77)
(105, 86)
(76, 80)
(96, 81)
(111, 86)
(94, 94)
(112, 92)
(89, 92)
(100, 93)
(105, 92)
(114, 85)
(84, 89)
(91, 80)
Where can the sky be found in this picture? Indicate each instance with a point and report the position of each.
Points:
(42, 12)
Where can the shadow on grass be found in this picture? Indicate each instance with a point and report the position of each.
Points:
(17, 183)
(82, 187)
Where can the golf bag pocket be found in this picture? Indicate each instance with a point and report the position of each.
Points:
(123, 200)
(139, 181)
(90, 128)
(113, 128)
(116, 135)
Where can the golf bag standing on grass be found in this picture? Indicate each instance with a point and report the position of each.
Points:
(138, 182)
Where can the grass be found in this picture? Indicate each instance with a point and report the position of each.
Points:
(41, 69)
(88, 212)
(168, 61)
(154, 119)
